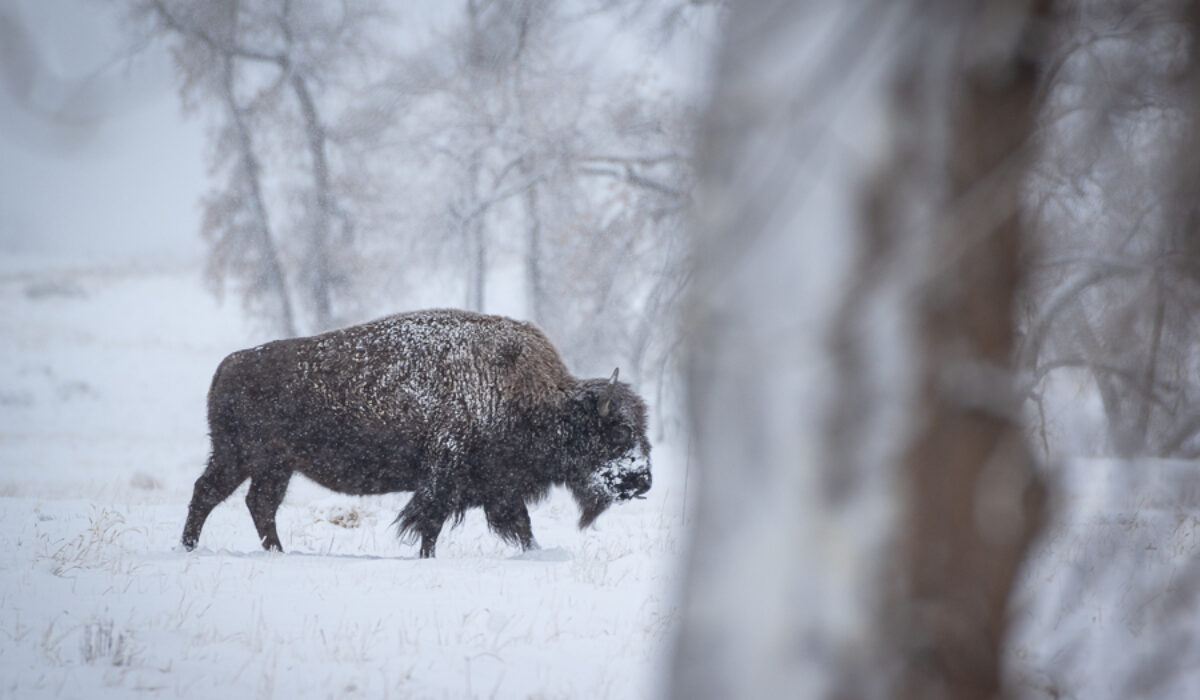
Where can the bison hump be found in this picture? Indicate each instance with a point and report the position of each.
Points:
(509, 353)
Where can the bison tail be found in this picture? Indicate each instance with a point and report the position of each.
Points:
(423, 519)
(409, 521)
(406, 524)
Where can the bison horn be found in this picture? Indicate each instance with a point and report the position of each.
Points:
(608, 392)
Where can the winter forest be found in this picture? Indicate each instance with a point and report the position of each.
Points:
(906, 287)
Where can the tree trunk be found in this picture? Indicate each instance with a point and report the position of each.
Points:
(865, 496)
(272, 269)
(319, 270)
(535, 286)
(973, 500)
(475, 236)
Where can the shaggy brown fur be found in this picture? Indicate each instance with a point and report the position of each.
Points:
(462, 409)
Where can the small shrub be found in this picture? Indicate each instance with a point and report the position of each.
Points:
(348, 518)
(101, 644)
(142, 480)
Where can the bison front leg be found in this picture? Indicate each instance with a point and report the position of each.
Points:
(510, 521)
(265, 496)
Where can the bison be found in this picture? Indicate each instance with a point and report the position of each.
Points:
(460, 408)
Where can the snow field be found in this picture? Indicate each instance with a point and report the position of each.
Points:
(1109, 602)
(103, 374)
(102, 433)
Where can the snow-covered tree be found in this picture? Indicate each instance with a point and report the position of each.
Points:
(1108, 603)
(575, 171)
(1116, 271)
(365, 149)
(280, 227)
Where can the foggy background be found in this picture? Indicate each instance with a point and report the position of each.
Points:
(98, 159)
(907, 285)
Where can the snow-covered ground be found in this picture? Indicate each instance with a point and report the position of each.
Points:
(103, 373)
(1109, 604)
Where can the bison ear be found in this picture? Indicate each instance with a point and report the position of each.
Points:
(606, 398)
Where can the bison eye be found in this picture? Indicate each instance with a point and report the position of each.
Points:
(621, 433)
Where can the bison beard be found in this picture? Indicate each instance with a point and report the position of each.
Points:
(462, 409)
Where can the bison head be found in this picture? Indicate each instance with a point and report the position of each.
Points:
(615, 454)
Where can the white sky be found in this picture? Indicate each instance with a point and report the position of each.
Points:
(95, 157)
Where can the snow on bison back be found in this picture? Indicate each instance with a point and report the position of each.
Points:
(462, 409)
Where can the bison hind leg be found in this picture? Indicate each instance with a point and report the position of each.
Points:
(510, 522)
(263, 500)
(220, 479)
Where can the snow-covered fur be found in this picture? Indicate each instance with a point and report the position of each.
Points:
(462, 409)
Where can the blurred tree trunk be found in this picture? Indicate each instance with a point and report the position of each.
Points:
(865, 495)
(973, 501)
